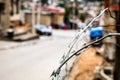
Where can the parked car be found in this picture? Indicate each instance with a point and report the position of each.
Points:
(43, 30)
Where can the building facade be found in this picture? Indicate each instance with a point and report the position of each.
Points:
(5, 14)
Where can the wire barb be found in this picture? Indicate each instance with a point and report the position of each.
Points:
(109, 12)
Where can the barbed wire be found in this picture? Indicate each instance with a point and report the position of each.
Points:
(56, 73)
(66, 57)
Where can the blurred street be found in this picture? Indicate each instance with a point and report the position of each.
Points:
(70, 39)
(36, 61)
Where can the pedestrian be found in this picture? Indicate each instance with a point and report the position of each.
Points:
(1, 30)
(10, 32)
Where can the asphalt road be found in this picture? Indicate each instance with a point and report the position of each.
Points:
(37, 61)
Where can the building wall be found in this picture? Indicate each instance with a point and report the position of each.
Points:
(58, 18)
(44, 19)
(5, 18)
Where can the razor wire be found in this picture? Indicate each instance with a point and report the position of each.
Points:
(56, 74)
(82, 36)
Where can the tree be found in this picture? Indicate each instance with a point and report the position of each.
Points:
(116, 74)
(67, 15)
(62, 3)
(44, 1)
(117, 55)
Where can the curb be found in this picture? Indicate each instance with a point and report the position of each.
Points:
(18, 45)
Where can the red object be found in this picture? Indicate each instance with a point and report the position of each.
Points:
(114, 8)
(65, 28)
(106, 3)
(56, 11)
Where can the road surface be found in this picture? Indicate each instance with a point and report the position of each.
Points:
(36, 61)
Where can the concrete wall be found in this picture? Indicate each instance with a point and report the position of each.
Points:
(58, 18)
(6, 15)
(45, 19)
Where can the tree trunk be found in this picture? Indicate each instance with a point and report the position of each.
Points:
(117, 55)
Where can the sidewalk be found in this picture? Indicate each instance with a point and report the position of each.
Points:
(7, 44)
(18, 41)
(26, 37)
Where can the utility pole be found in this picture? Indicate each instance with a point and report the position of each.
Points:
(33, 17)
(73, 12)
(38, 12)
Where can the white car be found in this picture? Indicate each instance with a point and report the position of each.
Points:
(43, 30)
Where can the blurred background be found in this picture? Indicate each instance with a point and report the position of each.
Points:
(35, 35)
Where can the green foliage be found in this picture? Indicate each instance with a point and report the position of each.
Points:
(67, 15)
(44, 1)
(83, 16)
(61, 3)
(22, 7)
